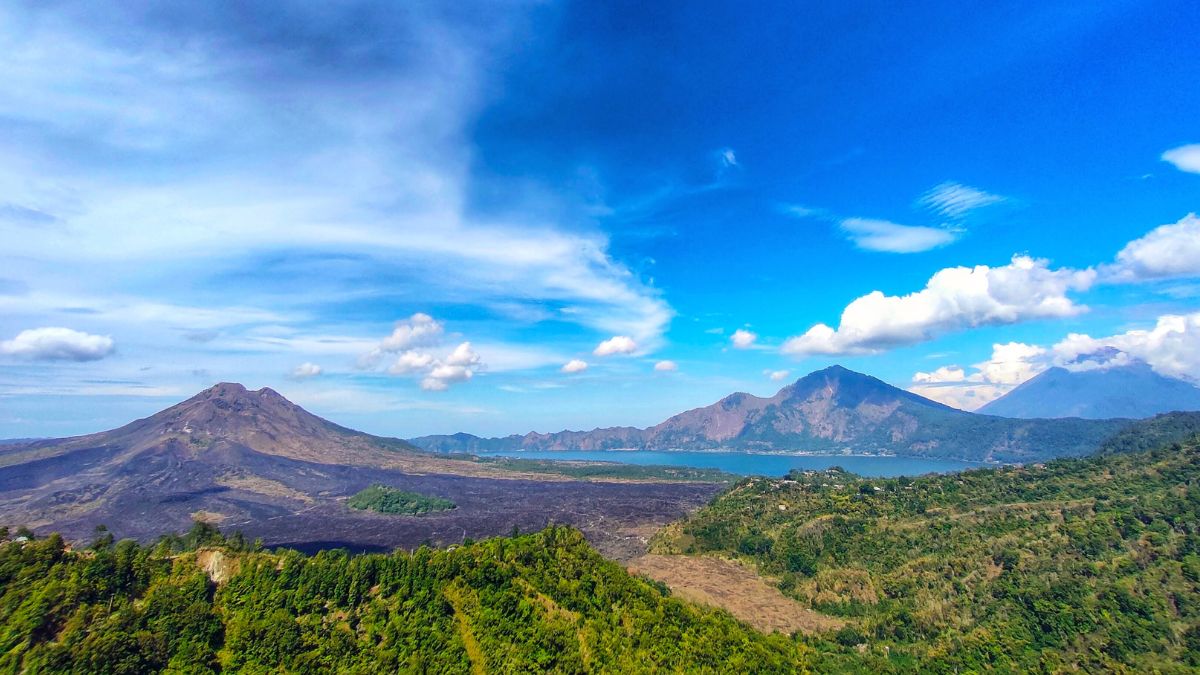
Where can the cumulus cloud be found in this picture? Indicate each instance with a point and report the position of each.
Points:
(306, 370)
(776, 375)
(1166, 252)
(882, 235)
(666, 366)
(955, 200)
(955, 298)
(419, 330)
(443, 374)
(574, 366)
(1185, 157)
(1171, 347)
(1010, 365)
(58, 344)
(411, 361)
(464, 356)
(414, 341)
(743, 339)
(618, 344)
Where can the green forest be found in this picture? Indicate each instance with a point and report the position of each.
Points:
(1087, 563)
(544, 602)
(384, 499)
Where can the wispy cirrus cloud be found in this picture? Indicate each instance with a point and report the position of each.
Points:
(955, 200)
(356, 197)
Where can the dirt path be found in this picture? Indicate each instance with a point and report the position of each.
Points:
(734, 588)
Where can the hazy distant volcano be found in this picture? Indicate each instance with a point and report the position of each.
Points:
(1132, 390)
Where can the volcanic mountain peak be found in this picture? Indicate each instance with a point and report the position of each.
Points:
(849, 388)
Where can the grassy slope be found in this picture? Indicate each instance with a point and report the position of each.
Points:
(1092, 562)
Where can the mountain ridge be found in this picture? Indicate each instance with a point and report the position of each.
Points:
(834, 410)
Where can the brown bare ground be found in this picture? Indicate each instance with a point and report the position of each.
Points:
(734, 588)
(262, 486)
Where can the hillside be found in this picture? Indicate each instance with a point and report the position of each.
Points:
(539, 603)
(1133, 391)
(1089, 564)
(255, 461)
(834, 410)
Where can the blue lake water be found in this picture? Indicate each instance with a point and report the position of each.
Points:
(761, 465)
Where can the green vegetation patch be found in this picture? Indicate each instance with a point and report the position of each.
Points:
(386, 499)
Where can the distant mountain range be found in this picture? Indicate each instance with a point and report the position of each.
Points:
(834, 410)
(1132, 390)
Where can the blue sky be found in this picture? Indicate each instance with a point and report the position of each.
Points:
(503, 217)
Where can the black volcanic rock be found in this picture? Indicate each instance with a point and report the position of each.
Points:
(1134, 390)
(834, 410)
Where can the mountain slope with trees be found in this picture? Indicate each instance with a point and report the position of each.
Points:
(545, 602)
(1089, 563)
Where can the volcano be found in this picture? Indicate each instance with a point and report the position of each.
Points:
(254, 461)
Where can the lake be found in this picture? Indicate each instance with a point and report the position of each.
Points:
(762, 465)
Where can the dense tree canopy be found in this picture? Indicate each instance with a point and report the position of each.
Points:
(386, 499)
(537, 603)
(1091, 563)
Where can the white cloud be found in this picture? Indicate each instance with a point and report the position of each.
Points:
(881, 235)
(943, 374)
(574, 366)
(419, 330)
(464, 356)
(618, 344)
(306, 370)
(1010, 365)
(955, 200)
(58, 344)
(728, 157)
(1166, 252)
(955, 298)
(666, 366)
(1171, 347)
(411, 361)
(776, 375)
(743, 339)
(442, 375)
(413, 338)
(1185, 157)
